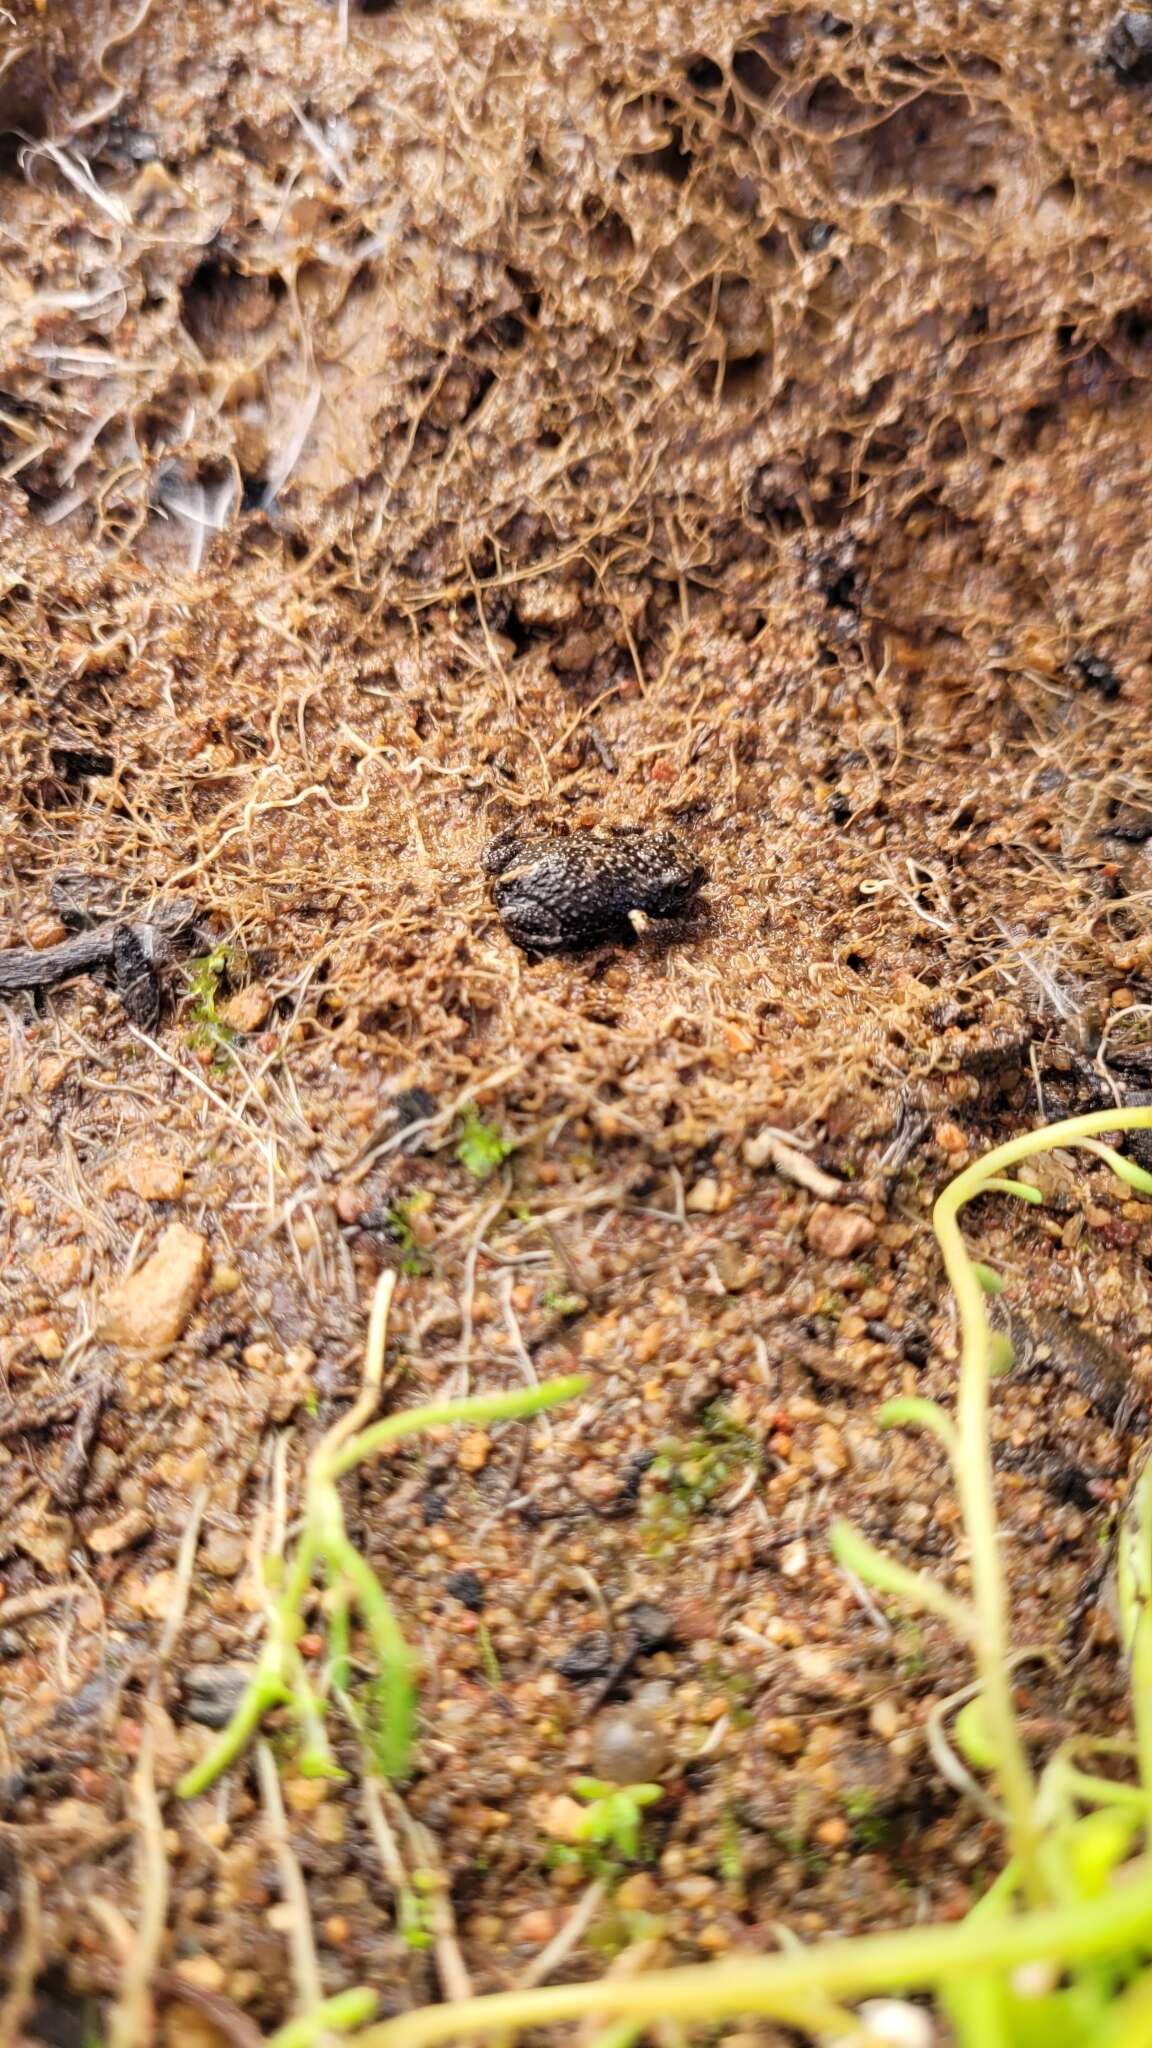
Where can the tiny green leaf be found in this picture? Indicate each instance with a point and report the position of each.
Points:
(1125, 1169)
(997, 1186)
(912, 1411)
(973, 1739)
(1001, 1356)
(856, 1554)
(481, 1148)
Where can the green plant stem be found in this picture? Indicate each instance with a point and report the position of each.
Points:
(1019, 1188)
(511, 1407)
(974, 1465)
(346, 2010)
(1093, 1791)
(916, 1589)
(778, 1987)
(912, 1411)
(1141, 1688)
(339, 1659)
(391, 1649)
(265, 1691)
(974, 1486)
(279, 1678)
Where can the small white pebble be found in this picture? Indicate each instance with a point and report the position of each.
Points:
(1035, 1980)
(897, 2024)
(891, 2023)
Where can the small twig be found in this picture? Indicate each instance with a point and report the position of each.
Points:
(23, 1606)
(455, 1981)
(227, 2019)
(561, 1945)
(305, 1967)
(519, 1349)
(793, 1165)
(182, 1584)
(132, 2017)
(67, 1488)
(468, 1291)
(27, 1961)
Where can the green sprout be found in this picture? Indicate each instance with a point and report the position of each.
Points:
(615, 1815)
(337, 2015)
(1059, 1948)
(207, 1029)
(480, 1147)
(871, 1828)
(688, 1477)
(402, 1218)
(416, 1909)
(280, 1678)
(561, 1301)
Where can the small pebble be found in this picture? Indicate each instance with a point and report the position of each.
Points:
(829, 1457)
(884, 1719)
(839, 1233)
(649, 1625)
(536, 1927)
(782, 1735)
(637, 1893)
(703, 1197)
(153, 1176)
(57, 1266)
(204, 1971)
(222, 1553)
(894, 2023)
(472, 1453)
(948, 1137)
(112, 1537)
(248, 1009)
(714, 1938)
(563, 1817)
(305, 1795)
(147, 1313)
(629, 1747)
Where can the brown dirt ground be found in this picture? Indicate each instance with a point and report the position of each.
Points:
(705, 414)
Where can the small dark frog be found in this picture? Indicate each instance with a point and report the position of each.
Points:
(554, 892)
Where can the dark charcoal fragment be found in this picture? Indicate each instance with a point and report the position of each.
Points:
(1096, 673)
(1132, 822)
(210, 1693)
(136, 980)
(466, 1587)
(650, 1626)
(412, 1105)
(1128, 46)
(1138, 1144)
(589, 1657)
(76, 763)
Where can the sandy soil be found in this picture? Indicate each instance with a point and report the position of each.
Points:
(708, 416)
